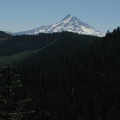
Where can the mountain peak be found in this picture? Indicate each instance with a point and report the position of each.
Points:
(69, 17)
(68, 23)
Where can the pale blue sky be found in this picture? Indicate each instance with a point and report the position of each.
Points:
(19, 15)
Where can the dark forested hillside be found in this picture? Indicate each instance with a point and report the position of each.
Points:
(17, 48)
(4, 35)
(18, 44)
(77, 77)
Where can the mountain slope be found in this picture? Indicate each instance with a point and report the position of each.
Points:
(43, 46)
(69, 23)
(4, 35)
(82, 84)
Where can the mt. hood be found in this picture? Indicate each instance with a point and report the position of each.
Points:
(69, 23)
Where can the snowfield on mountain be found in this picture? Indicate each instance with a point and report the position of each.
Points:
(69, 23)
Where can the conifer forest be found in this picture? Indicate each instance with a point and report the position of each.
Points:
(60, 76)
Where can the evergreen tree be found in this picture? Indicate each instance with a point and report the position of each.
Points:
(10, 107)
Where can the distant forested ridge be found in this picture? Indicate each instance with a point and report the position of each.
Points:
(4, 35)
(17, 48)
(76, 77)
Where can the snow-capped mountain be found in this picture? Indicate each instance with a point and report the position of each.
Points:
(69, 23)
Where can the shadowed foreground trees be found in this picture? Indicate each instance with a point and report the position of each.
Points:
(12, 107)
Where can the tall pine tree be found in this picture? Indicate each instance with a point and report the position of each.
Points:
(11, 107)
